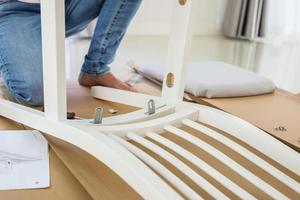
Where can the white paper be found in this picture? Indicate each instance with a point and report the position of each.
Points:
(24, 160)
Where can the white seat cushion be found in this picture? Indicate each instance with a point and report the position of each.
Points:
(214, 79)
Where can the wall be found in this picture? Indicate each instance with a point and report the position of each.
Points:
(153, 18)
(283, 18)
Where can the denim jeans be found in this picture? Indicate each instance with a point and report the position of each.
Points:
(21, 47)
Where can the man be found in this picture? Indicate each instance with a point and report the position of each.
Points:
(21, 46)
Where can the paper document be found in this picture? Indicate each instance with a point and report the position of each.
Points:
(24, 160)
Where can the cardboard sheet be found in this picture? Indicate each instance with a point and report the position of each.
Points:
(221, 167)
(99, 181)
(75, 175)
(64, 186)
(268, 112)
(95, 177)
(80, 101)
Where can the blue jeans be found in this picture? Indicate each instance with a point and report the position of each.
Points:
(21, 48)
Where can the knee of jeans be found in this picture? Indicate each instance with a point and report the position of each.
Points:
(35, 98)
(30, 94)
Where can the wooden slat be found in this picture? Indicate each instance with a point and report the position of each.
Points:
(200, 181)
(228, 161)
(244, 152)
(201, 164)
(163, 171)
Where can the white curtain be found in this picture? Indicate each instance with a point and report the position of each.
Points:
(283, 17)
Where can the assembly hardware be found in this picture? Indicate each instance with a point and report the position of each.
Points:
(98, 116)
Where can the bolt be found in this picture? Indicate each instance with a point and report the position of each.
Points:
(281, 128)
(98, 116)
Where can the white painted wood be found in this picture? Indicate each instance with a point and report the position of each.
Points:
(93, 138)
(162, 170)
(53, 40)
(200, 181)
(246, 153)
(97, 144)
(36, 119)
(274, 193)
(137, 116)
(249, 134)
(139, 127)
(124, 97)
(202, 165)
(178, 51)
(132, 117)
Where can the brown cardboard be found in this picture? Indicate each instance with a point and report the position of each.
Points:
(64, 186)
(266, 112)
(81, 102)
(225, 170)
(95, 177)
(77, 175)
(74, 173)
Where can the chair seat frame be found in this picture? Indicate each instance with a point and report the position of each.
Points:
(107, 141)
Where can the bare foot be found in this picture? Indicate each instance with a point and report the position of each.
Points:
(107, 79)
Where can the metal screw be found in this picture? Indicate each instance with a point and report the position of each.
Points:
(151, 107)
(281, 128)
(112, 111)
(98, 116)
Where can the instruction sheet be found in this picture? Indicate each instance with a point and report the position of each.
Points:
(24, 160)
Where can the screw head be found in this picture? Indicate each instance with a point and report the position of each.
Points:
(112, 111)
(281, 128)
(182, 2)
(170, 80)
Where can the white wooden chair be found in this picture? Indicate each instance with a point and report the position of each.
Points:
(111, 141)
